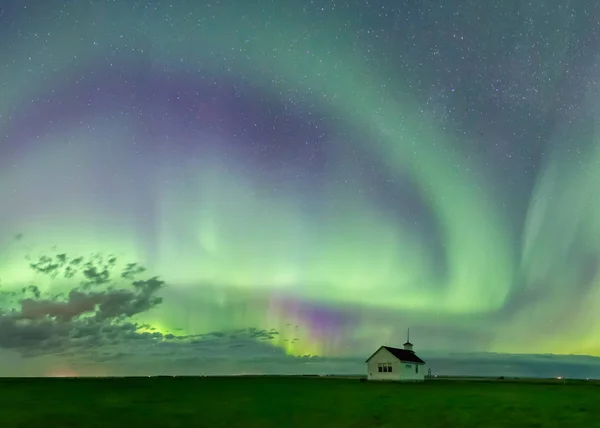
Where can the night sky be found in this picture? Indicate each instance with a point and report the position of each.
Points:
(259, 186)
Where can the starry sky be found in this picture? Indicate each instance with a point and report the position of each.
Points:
(252, 187)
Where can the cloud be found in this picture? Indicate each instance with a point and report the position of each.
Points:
(514, 365)
(97, 311)
(93, 321)
(210, 357)
(78, 303)
(93, 324)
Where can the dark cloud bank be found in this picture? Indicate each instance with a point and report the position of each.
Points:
(92, 325)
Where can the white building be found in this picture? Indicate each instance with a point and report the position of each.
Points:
(389, 363)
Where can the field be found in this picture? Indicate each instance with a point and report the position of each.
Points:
(296, 402)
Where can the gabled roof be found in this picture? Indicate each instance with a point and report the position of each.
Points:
(400, 354)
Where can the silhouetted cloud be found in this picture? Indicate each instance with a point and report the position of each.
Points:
(515, 365)
(97, 311)
(93, 322)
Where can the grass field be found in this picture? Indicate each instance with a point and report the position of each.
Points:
(295, 402)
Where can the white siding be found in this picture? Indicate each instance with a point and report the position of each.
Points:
(400, 370)
(383, 356)
(408, 371)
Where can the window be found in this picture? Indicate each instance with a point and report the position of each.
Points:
(384, 367)
(416, 368)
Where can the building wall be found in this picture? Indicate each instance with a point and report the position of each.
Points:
(400, 370)
(383, 356)
(408, 371)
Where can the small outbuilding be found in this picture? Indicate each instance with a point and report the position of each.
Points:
(388, 363)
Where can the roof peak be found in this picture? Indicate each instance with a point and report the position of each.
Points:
(404, 355)
(399, 349)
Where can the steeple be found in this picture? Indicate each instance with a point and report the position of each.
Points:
(408, 346)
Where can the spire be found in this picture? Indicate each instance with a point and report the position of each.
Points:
(408, 346)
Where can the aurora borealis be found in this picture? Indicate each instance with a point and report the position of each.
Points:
(308, 179)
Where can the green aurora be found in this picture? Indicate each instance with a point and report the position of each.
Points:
(233, 247)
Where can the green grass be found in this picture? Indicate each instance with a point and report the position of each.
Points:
(295, 402)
